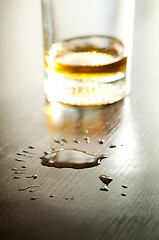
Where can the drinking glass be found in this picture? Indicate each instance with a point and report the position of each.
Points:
(87, 50)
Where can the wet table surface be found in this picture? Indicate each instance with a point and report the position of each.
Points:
(66, 203)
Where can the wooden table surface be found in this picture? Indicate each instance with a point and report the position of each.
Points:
(78, 209)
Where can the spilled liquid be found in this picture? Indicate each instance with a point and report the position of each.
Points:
(124, 186)
(71, 158)
(31, 147)
(25, 188)
(32, 176)
(104, 188)
(101, 141)
(106, 180)
(123, 194)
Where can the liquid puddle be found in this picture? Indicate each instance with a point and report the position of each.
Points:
(71, 158)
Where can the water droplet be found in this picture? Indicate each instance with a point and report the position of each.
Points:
(76, 141)
(19, 154)
(57, 141)
(24, 166)
(35, 176)
(32, 176)
(105, 179)
(64, 140)
(31, 190)
(123, 194)
(66, 198)
(26, 151)
(25, 188)
(19, 160)
(124, 186)
(51, 196)
(112, 146)
(31, 147)
(101, 141)
(33, 198)
(15, 169)
(71, 158)
(104, 188)
(17, 177)
(87, 139)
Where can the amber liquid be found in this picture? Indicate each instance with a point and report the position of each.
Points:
(86, 71)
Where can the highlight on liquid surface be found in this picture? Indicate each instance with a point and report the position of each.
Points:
(85, 71)
(71, 158)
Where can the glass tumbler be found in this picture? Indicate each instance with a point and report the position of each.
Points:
(87, 50)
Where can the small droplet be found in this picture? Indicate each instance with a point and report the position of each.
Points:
(31, 190)
(15, 169)
(32, 176)
(19, 154)
(123, 194)
(112, 146)
(57, 141)
(27, 156)
(76, 141)
(51, 196)
(19, 160)
(124, 186)
(33, 198)
(24, 166)
(35, 176)
(87, 139)
(66, 198)
(19, 172)
(25, 188)
(26, 151)
(17, 177)
(105, 179)
(31, 147)
(101, 141)
(64, 140)
(104, 188)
